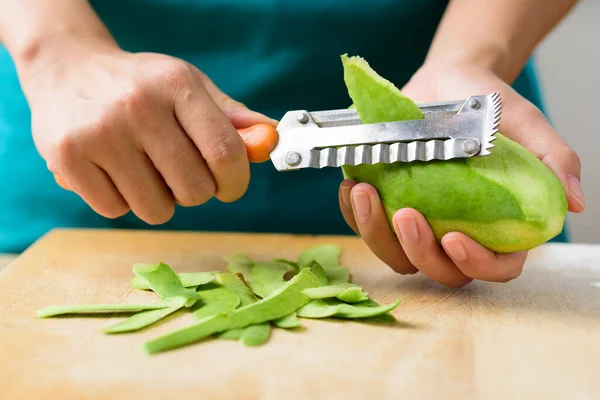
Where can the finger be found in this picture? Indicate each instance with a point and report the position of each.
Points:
(140, 184)
(477, 262)
(180, 163)
(218, 141)
(525, 123)
(346, 204)
(94, 186)
(423, 251)
(239, 115)
(374, 228)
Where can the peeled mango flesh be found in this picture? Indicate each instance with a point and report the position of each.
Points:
(507, 201)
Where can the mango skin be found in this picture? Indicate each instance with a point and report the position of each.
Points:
(507, 201)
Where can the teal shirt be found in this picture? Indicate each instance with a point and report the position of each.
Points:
(272, 55)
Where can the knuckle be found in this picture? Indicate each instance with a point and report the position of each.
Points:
(227, 150)
(115, 211)
(198, 194)
(176, 73)
(572, 156)
(64, 153)
(191, 201)
(133, 99)
(161, 216)
(186, 93)
(95, 132)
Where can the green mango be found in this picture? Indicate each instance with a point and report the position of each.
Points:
(507, 201)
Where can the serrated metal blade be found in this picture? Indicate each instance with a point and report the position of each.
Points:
(492, 123)
(387, 153)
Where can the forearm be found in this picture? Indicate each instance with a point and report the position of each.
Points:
(498, 34)
(27, 26)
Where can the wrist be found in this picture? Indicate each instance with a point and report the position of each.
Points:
(37, 51)
(493, 59)
(34, 31)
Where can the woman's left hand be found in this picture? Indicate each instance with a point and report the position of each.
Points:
(459, 259)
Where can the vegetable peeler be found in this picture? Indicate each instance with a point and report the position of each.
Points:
(334, 138)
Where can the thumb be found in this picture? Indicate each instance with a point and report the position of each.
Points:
(526, 124)
(238, 114)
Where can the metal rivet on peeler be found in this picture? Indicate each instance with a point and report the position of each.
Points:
(471, 146)
(474, 104)
(303, 118)
(293, 158)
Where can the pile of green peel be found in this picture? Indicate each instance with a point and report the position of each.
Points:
(243, 304)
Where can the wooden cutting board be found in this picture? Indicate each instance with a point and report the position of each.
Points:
(535, 338)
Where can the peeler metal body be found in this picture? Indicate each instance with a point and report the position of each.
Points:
(454, 129)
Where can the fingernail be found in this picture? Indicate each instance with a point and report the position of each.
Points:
(456, 250)
(362, 205)
(575, 190)
(346, 196)
(409, 231)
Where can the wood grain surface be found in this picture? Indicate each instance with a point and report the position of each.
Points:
(6, 259)
(537, 337)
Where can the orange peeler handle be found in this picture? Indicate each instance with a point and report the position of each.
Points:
(260, 141)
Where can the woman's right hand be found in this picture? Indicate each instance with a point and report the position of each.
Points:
(136, 132)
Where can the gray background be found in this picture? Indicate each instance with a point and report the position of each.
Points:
(569, 66)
